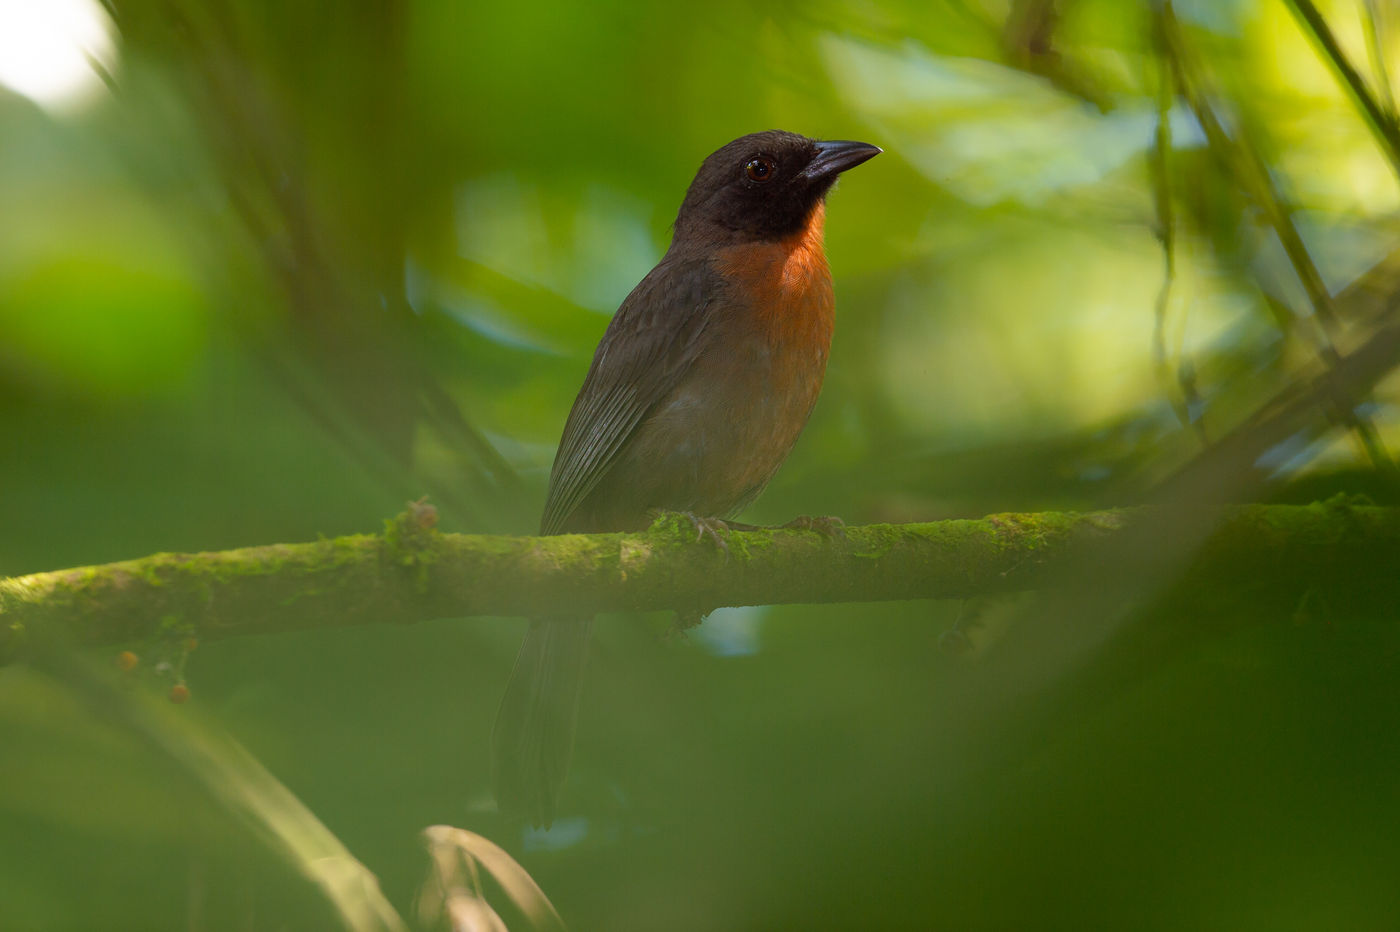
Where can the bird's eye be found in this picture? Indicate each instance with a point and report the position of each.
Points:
(759, 169)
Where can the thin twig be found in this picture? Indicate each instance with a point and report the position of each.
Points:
(1375, 48)
(1166, 235)
(1382, 123)
(1248, 168)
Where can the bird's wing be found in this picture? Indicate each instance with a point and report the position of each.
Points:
(651, 342)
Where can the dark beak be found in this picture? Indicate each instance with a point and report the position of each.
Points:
(833, 158)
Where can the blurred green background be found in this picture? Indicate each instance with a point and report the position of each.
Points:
(269, 270)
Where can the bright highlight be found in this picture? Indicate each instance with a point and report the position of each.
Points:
(45, 47)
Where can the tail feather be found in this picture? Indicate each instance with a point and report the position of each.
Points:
(533, 740)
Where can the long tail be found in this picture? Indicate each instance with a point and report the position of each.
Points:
(534, 735)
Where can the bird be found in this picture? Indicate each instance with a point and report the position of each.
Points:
(698, 390)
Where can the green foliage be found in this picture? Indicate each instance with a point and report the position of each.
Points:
(301, 264)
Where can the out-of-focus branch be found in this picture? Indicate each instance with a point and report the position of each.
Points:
(1159, 161)
(414, 573)
(1246, 166)
(1381, 119)
(346, 346)
(236, 783)
(1028, 39)
(1375, 48)
(1241, 158)
(1293, 411)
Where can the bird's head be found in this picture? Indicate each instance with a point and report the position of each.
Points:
(764, 186)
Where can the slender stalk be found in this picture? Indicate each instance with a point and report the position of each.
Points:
(1381, 120)
(1248, 168)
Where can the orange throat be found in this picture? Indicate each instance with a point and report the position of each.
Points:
(805, 263)
(788, 283)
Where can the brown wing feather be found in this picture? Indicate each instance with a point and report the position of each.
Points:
(652, 341)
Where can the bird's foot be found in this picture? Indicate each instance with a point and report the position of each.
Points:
(825, 525)
(716, 529)
(828, 526)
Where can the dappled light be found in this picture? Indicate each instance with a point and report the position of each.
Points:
(55, 52)
(294, 303)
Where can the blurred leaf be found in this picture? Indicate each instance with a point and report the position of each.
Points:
(453, 890)
(235, 781)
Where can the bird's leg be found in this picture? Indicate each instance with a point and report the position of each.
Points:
(825, 525)
(713, 528)
(716, 529)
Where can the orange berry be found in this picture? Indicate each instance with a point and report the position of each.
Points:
(127, 661)
(191, 644)
(179, 693)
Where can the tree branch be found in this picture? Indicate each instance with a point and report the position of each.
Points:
(412, 572)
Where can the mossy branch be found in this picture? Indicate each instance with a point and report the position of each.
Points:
(412, 572)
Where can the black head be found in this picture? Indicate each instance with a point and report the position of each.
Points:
(764, 186)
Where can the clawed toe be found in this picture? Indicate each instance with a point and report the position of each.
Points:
(825, 525)
(718, 529)
(713, 528)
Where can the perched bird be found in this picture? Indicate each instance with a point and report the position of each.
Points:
(699, 388)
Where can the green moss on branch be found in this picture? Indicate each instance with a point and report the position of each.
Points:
(413, 572)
